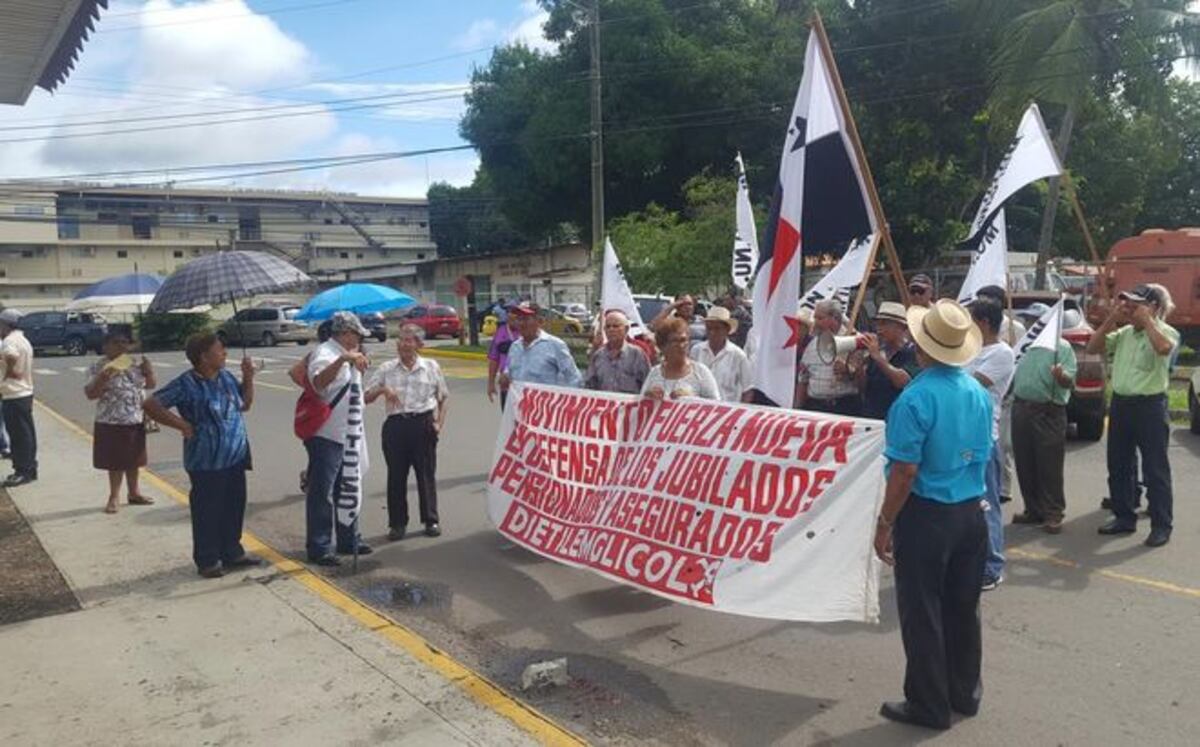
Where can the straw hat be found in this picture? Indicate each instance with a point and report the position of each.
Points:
(892, 312)
(722, 315)
(945, 332)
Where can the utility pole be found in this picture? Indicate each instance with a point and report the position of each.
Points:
(597, 138)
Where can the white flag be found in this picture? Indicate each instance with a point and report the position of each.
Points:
(845, 275)
(745, 239)
(1045, 332)
(614, 292)
(989, 264)
(1030, 157)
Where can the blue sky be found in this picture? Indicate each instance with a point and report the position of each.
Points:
(403, 62)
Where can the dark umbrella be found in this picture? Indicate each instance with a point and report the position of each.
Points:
(226, 277)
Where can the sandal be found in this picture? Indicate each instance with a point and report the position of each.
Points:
(110, 508)
(140, 500)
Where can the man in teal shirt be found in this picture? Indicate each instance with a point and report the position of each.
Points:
(931, 524)
(1139, 344)
(1041, 387)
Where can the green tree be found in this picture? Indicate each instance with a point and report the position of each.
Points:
(468, 220)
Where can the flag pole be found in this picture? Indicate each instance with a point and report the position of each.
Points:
(872, 194)
(861, 293)
(1077, 209)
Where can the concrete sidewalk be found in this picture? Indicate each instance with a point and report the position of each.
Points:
(158, 655)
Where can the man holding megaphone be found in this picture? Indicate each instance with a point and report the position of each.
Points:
(825, 379)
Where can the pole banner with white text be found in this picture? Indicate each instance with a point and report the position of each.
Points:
(737, 508)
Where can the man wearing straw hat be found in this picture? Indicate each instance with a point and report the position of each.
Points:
(891, 362)
(727, 361)
(931, 525)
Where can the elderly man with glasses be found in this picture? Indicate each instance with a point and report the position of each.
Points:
(920, 291)
(618, 365)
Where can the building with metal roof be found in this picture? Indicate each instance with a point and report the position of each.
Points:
(40, 42)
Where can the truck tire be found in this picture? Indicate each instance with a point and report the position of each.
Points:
(75, 346)
(1090, 428)
(268, 340)
(1194, 410)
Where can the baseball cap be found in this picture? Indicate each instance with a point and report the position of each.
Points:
(524, 308)
(920, 280)
(1139, 294)
(345, 321)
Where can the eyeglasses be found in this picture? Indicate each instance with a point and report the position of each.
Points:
(918, 291)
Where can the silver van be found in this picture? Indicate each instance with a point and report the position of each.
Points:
(266, 325)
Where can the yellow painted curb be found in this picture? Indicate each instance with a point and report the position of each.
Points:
(484, 691)
(461, 355)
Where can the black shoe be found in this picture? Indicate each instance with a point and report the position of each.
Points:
(329, 561)
(363, 549)
(433, 530)
(395, 534)
(901, 712)
(1116, 526)
(1158, 537)
(215, 571)
(14, 480)
(1026, 518)
(246, 561)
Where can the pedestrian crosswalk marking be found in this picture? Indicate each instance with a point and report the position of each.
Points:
(45, 372)
(79, 369)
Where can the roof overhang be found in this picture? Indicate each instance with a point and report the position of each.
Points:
(40, 40)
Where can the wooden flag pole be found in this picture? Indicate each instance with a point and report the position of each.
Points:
(872, 194)
(1077, 209)
(861, 294)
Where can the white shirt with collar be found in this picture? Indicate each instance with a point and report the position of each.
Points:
(421, 388)
(731, 368)
(21, 385)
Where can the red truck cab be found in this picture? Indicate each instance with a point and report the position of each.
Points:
(1170, 258)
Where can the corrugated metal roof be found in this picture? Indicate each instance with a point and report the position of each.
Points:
(40, 41)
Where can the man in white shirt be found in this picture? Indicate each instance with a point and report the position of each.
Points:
(16, 389)
(337, 454)
(993, 368)
(828, 385)
(1012, 331)
(728, 363)
(414, 391)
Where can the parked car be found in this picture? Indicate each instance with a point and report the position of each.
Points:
(376, 324)
(435, 319)
(1086, 408)
(1194, 400)
(74, 333)
(266, 325)
(558, 323)
(576, 311)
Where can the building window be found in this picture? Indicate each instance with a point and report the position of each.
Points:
(143, 226)
(329, 221)
(214, 219)
(249, 225)
(422, 224)
(110, 218)
(420, 256)
(122, 254)
(177, 253)
(344, 255)
(27, 253)
(358, 256)
(68, 226)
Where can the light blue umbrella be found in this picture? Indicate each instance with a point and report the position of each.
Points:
(359, 298)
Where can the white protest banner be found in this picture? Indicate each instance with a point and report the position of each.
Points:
(989, 263)
(745, 238)
(614, 291)
(750, 510)
(1030, 157)
(1045, 332)
(845, 275)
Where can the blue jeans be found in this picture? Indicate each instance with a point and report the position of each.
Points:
(3, 431)
(324, 473)
(994, 567)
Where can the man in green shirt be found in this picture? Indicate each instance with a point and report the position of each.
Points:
(1139, 344)
(1041, 387)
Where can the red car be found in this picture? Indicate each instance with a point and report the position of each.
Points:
(435, 319)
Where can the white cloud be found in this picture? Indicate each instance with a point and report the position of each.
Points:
(479, 34)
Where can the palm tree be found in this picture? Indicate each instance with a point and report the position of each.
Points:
(1063, 51)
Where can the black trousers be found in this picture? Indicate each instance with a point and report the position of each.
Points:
(410, 443)
(940, 550)
(1039, 437)
(218, 506)
(22, 435)
(1136, 425)
(849, 405)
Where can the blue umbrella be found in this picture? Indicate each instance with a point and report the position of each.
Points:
(121, 293)
(360, 298)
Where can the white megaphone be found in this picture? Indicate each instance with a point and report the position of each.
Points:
(830, 347)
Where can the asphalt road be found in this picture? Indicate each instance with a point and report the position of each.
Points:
(1090, 641)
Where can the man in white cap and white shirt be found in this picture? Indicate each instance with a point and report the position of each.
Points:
(931, 525)
(16, 389)
(728, 363)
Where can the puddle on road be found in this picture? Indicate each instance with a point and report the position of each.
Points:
(409, 595)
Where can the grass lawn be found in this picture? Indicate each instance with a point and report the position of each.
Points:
(1177, 397)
